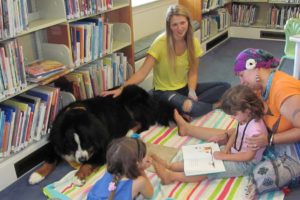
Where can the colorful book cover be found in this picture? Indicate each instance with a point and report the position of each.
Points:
(36, 102)
(43, 68)
(25, 110)
(10, 113)
(54, 103)
(47, 98)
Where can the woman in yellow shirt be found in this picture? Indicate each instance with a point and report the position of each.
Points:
(174, 58)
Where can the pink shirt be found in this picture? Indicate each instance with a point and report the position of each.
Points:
(254, 128)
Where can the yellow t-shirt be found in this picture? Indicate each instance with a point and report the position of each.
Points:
(164, 77)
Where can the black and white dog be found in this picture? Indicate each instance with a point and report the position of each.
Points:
(83, 129)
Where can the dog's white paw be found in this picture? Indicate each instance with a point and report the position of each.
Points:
(35, 178)
(78, 182)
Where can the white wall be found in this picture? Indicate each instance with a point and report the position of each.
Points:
(150, 18)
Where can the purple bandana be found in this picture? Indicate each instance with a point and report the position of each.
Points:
(254, 58)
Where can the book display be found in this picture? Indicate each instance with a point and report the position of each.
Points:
(42, 42)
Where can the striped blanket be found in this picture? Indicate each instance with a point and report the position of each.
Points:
(231, 188)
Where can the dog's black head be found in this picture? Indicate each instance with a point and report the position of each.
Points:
(77, 135)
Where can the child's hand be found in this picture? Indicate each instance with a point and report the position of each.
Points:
(219, 155)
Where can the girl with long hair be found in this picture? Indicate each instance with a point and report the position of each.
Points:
(125, 177)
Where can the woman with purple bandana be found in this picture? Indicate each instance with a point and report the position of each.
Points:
(280, 93)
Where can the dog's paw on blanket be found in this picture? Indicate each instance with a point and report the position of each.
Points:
(41, 173)
(35, 178)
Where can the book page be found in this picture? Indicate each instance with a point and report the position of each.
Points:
(198, 159)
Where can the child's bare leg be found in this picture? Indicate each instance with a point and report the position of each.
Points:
(203, 133)
(175, 166)
(168, 176)
(160, 161)
(181, 123)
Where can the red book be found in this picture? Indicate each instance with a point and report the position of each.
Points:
(59, 34)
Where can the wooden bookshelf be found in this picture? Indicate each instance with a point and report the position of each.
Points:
(44, 14)
(195, 8)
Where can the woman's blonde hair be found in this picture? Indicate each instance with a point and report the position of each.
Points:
(179, 10)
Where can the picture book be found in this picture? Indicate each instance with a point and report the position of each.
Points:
(43, 68)
(198, 159)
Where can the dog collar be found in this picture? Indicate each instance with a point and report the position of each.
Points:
(77, 108)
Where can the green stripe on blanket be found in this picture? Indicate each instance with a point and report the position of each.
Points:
(231, 188)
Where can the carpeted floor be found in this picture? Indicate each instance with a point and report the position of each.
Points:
(216, 65)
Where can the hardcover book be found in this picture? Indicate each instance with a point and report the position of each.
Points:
(198, 159)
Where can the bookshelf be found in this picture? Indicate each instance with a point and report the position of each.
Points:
(32, 23)
(213, 17)
(268, 21)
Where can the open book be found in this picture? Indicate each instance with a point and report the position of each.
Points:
(198, 159)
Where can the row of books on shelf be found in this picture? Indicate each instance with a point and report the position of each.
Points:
(12, 70)
(13, 17)
(213, 23)
(277, 17)
(14, 75)
(285, 1)
(89, 81)
(26, 118)
(243, 14)
(88, 39)
(211, 4)
(79, 8)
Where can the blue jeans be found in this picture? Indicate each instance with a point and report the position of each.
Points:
(208, 94)
(234, 169)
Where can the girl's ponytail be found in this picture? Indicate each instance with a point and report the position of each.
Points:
(112, 187)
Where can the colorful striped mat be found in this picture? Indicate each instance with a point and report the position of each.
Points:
(231, 188)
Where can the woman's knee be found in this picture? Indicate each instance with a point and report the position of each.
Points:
(187, 105)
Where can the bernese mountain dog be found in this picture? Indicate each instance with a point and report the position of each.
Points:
(83, 129)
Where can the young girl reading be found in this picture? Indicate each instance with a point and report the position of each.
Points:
(243, 105)
(125, 177)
